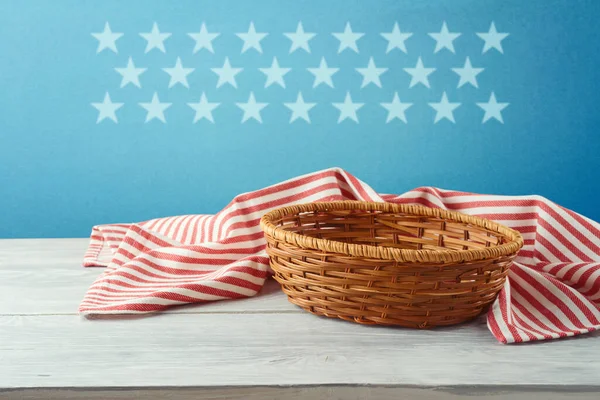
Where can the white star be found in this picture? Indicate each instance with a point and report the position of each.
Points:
(226, 74)
(323, 74)
(493, 39)
(178, 74)
(275, 74)
(492, 109)
(130, 74)
(252, 39)
(419, 74)
(300, 109)
(468, 74)
(107, 109)
(348, 109)
(203, 109)
(155, 39)
(252, 109)
(300, 39)
(371, 74)
(444, 39)
(348, 39)
(396, 39)
(444, 109)
(203, 39)
(396, 109)
(107, 39)
(155, 109)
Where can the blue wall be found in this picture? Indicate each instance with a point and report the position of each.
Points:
(62, 172)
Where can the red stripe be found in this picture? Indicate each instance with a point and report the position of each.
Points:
(447, 193)
(568, 276)
(191, 272)
(138, 307)
(585, 309)
(525, 254)
(288, 185)
(193, 260)
(149, 236)
(177, 227)
(530, 328)
(495, 328)
(551, 298)
(421, 201)
(594, 288)
(591, 228)
(560, 257)
(359, 188)
(275, 203)
(232, 280)
(525, 311)
(502, 302)
(186, 228)
(542, 206)
(194, 287)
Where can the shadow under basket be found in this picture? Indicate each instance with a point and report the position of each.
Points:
(388, 264)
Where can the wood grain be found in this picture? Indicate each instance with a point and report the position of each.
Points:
(297, 393)
(282, 349)
(261, 347)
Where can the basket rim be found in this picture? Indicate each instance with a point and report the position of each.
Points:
(511, 247)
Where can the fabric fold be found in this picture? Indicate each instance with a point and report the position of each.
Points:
(552, 291)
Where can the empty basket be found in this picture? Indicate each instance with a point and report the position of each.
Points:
(388, 264)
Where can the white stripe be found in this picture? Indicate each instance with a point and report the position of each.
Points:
(529, 307)
(590, 281)
(116, 230)
(190, 253)
(558, 245)
(183, 231)
(166, 278)
(556, 310)
(422, 195)
(577, 276)
(259, 214)
(159, 224)
(200, 233)
(116, 280)
(579, 227)
(361, 186)
(534, 198)
(490, 198)
(542, 215)
(533, 325)
(247, 244)
(170, 231)
(500, 322)
(238, 204)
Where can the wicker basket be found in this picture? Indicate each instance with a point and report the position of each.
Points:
(388, 264)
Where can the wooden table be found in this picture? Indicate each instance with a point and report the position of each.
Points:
(257, 348)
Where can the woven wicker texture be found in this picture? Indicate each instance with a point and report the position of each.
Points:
(388, 264)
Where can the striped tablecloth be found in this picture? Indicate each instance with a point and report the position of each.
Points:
(552, 291)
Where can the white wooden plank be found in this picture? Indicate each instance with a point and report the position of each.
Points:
(45, 276)
(18, 252)
(264, 340)
(225, 350)
(298, 393)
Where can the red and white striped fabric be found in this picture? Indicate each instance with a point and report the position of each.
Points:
(553, 289)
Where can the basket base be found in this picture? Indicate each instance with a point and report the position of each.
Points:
(369, 312)
(424, 324)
